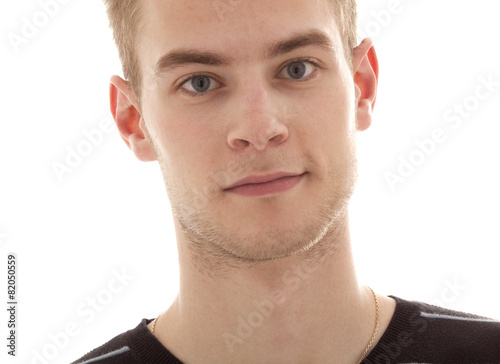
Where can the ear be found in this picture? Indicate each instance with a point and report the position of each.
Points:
(126, 112)
(365, 69)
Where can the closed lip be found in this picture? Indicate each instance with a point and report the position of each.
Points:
(262, 179)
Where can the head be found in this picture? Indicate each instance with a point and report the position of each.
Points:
(223, 90)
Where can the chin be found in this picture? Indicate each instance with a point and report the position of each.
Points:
(240, 229)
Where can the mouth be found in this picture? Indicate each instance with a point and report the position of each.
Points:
(255, 186)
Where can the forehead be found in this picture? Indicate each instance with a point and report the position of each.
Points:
(236, 28)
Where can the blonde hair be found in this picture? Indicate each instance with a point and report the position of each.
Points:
(125, 21)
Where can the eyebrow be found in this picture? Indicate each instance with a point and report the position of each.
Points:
(182, 56)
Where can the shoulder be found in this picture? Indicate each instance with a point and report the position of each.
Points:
(420, 332)
(116, 350)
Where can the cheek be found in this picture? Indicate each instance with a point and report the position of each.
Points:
(327, 117)
(188, 143)
(324, 129)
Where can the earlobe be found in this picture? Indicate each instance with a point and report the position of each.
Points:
(126, 113)
(365, 69)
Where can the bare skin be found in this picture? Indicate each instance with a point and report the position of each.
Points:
(266, 272)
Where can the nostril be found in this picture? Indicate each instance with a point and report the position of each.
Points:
(241, 143)
(270, 132)
(277, 138)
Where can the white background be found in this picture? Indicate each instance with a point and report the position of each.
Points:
(438, 229)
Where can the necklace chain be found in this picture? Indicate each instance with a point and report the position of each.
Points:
(154, 324)
(365, 353)
(369, 344)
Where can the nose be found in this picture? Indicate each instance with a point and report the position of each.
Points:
(259, 121)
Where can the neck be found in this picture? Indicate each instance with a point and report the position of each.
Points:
(303, 308)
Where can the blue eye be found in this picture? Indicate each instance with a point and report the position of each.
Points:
(297, 70)
(200, 84)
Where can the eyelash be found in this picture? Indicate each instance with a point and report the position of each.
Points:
(197, 94)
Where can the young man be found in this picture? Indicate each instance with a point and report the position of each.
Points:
(251, 109)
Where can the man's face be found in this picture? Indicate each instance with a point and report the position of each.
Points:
(261, 107)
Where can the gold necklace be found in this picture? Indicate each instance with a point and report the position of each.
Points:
(154, 325)
(365, 353)
(367, 348)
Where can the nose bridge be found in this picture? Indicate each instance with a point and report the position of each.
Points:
(257, 121)
(254, 95)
